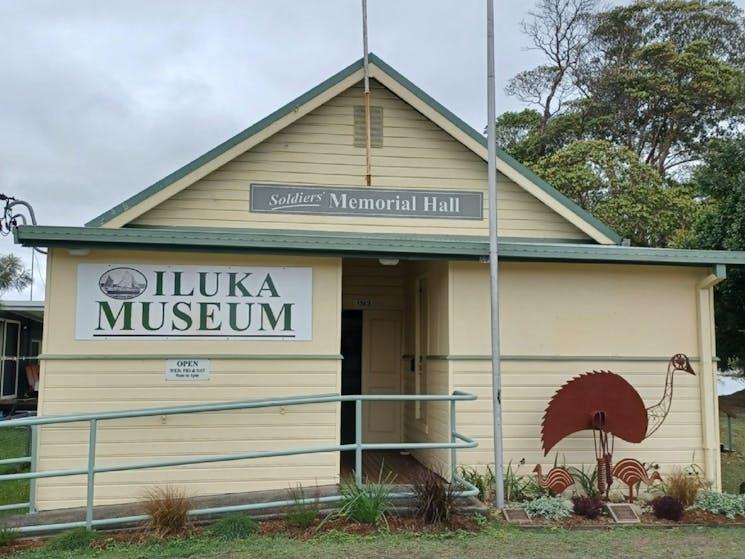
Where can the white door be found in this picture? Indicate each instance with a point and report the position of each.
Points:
(381, 374)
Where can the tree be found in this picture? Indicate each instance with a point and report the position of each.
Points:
(610, 182)
(13, 274)
(660, 78)
(559, 29)
(664, 77)
(720, 181)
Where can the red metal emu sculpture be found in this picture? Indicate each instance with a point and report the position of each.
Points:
(607, 404)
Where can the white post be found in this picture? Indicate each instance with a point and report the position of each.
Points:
(493, 257)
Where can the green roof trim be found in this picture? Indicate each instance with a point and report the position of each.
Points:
(369, 245)
(319, 89)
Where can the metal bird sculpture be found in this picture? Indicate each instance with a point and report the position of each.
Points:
(631, 472)
(556, 481)
(606, 404)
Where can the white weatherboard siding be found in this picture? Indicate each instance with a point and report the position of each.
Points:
(560, 320)
(81, 376)
(318, 149)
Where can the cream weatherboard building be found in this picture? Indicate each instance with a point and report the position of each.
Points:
(252, 271)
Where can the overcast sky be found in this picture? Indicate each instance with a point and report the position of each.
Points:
(101, 99)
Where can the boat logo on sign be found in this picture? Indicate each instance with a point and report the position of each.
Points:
(122, 283)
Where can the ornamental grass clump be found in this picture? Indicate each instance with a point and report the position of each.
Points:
(589, 507)
(368, 503)
(683, 486)
(168, 509)
(726, 504)
(668, 508)
(588, 481)
(550, 508)
(434, 498)
(302, 514)
(484, 482)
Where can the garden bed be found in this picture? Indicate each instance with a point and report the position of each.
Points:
(276, 527)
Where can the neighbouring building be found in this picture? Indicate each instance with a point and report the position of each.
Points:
(20, 344)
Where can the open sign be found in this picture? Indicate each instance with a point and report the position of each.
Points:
(188, 369)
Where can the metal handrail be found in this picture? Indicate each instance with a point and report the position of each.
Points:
(456, 441)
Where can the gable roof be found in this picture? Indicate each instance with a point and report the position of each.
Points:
(136, 205)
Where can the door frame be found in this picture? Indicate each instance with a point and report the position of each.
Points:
(421, 348)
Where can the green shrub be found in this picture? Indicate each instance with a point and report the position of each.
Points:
(551, 508)
(434, 498)
(73, 540)
(302, 514)
(368, 503)
(7, 536)
(727, 504)
(233, 527)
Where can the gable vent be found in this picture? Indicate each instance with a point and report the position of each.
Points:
(376, 127)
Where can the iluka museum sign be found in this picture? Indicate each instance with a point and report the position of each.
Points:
(366, 202)
(162, 302)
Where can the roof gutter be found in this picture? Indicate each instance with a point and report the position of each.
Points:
(365, 245)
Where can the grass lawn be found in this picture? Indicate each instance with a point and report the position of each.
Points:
(733, 463)
(13, 444)
(493, 542)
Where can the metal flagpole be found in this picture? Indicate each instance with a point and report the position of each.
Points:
(368, 139)
(493, 257)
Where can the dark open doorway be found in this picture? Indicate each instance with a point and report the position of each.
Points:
(351, 369)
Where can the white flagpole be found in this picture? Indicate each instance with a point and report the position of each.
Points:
(493, 257)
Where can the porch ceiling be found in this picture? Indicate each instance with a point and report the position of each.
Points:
(368, 245)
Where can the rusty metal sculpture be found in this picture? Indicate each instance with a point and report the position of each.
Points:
(556, 481)
(606, 404)
(632, 472)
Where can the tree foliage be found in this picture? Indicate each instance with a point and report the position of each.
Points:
(559, 29)
(720, 181)
(13, 274)
(664, 77)
(660, 78)
(610, 182)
